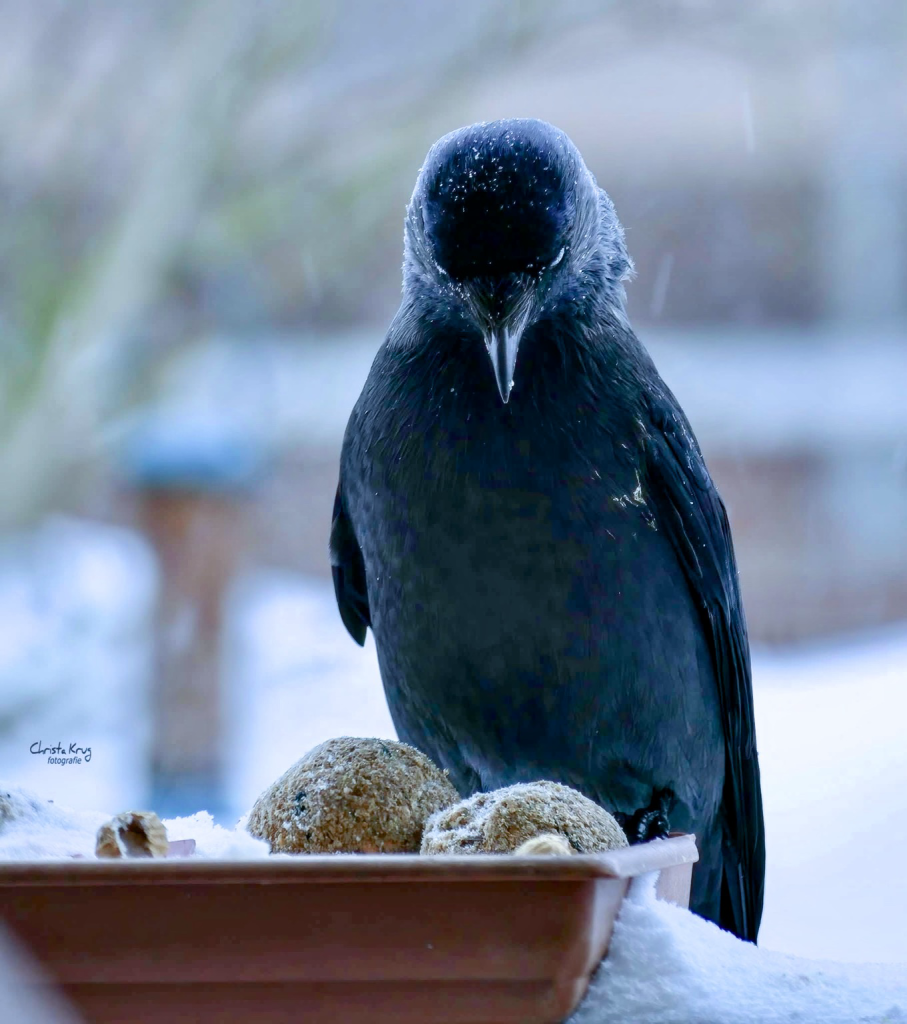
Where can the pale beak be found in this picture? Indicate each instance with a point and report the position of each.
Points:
(502, 344)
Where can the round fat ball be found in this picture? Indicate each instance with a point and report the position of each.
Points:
(352, 795)
(504, 820)
(548, 844)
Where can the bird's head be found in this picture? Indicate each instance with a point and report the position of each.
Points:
(506, 218)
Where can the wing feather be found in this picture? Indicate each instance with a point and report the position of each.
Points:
(690, 510)
(348, 570)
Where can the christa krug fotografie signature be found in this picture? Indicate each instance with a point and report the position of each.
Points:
(59, 754)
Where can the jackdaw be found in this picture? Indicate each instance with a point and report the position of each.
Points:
(525, 520)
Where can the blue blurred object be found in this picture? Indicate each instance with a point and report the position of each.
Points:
(184, 453)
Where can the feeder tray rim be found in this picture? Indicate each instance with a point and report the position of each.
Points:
(358, 868)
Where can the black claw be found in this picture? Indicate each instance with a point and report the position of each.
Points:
(648, 822)
(653, 825)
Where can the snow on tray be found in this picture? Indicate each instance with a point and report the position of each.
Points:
(214, 841)
(35, 828)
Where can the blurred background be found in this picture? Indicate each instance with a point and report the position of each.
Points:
(199, 255)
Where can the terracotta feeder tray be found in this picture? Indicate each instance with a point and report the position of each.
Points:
(384, 939)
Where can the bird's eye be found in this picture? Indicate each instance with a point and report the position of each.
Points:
(557, 258)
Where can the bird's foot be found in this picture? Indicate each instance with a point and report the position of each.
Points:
(648, 822)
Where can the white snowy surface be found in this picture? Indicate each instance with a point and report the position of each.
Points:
(832, 732)
(667, 966)
(33, 827)
(213, 841)
(76, 601)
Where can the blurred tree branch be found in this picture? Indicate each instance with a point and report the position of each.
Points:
(264, 140)
(56, 421)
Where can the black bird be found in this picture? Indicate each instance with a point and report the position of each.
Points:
(525, 520)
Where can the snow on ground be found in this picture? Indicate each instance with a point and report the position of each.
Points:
(667, 966)
(833, 751)
(76, 600)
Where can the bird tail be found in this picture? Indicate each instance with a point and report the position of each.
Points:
(736, 910)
